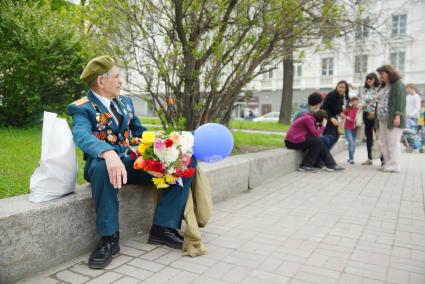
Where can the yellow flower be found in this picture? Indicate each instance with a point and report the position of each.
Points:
(170, 178)
(160, 182)
(142, 147)
(148, 137)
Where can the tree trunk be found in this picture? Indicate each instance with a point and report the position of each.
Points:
(287, 89)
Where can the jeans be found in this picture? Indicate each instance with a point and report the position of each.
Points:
(412, 123)
(350, 134)
(332, 131)
(329, 140)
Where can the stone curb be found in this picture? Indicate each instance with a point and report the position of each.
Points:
(35, 237)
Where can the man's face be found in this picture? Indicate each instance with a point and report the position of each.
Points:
(111, 84)
(410, 91)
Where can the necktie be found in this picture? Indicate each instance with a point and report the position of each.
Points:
(115, 112)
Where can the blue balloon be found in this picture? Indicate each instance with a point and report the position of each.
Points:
(213, 142)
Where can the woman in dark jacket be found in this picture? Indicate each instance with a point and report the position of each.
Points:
(334, 104)
(369, 99)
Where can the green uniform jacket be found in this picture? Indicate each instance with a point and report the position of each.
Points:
(397, 104)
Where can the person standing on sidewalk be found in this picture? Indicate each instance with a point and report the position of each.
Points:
(391, 116)
(333, 104)
(413, 107)
(350, 127)
(369, 98)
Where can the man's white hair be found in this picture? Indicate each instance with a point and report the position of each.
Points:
(105, 75)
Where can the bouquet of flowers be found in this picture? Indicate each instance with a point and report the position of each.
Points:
(167, 157)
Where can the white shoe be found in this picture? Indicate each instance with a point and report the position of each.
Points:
(389, 170)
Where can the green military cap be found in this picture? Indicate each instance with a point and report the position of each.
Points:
(97, 66)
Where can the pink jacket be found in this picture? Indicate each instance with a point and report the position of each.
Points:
(303, 127)
(350, 120)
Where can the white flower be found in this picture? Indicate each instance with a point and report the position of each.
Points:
(167, 155)
(187, 141)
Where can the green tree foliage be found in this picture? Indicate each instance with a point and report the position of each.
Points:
(43, 50)
(196, 56)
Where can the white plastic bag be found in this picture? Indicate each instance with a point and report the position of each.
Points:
(57, 173)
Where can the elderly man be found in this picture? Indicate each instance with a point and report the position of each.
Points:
(104, 125)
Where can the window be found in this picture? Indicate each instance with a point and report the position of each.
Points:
(399, 25)
(327, 66)
(398, 60)
(360, 64)
(362, 30)
(298, 70)
(269, 74)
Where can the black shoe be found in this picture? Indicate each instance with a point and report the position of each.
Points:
(102, 255)
(165, 236)
(178, 234)
(307, 169)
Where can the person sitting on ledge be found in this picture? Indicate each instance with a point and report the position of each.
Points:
(104, 125)
(304, 134)
(313, 104)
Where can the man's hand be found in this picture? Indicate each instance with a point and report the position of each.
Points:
(334, 121)
(116, 169)
(371, 115)
(324, 122)
(396, 120)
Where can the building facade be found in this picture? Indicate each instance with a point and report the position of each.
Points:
(393, 32)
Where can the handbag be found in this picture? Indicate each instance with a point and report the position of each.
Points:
(57, 173)
(359, 118)
(376, 148)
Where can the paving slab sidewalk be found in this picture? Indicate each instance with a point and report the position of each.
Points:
(357, 226)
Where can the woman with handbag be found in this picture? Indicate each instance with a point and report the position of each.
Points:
(370, 95)
(391, 116)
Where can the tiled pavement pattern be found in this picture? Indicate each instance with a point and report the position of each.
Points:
(359, 226)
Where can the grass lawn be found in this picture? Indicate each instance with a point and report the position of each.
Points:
(253, 142)
(20, 151)
(269, 126)
(236, 124)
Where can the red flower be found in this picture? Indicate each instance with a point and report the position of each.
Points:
(139, 164)
(135, 141)
(168, 142)
(133, 155)
(187, 173)
(154, 166)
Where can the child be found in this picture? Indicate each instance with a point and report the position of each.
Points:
(350, 114)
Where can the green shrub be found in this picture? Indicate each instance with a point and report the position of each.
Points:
(42, 55)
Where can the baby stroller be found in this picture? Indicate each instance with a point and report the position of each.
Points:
(412, 140)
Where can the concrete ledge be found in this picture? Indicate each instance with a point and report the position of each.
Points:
(35, 237)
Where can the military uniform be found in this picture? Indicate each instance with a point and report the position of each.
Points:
(95, 131)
